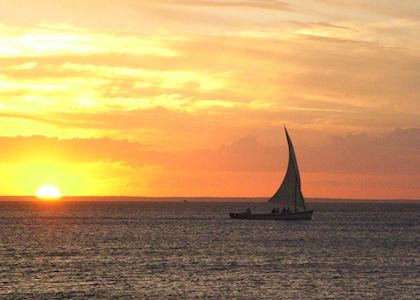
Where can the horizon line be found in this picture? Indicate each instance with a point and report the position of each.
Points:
(133, 198)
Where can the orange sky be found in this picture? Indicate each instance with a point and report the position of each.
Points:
(189, 98)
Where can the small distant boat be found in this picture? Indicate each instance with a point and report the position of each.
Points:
(288, 202)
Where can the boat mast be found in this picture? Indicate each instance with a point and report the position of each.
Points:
(296, 193)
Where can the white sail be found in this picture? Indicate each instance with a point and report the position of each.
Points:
(289, 194)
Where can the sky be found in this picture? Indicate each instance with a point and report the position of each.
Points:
(190, 98)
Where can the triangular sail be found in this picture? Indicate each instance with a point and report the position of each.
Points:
(289, 194)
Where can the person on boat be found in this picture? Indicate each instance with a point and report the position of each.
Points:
(274, 210)
(277, 210)
(284, 210)
(248, 211)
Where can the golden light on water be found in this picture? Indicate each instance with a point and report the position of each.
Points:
(48, 192)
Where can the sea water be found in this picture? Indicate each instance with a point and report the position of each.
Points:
(118, 249)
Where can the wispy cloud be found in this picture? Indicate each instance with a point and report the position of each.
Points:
(261, 4)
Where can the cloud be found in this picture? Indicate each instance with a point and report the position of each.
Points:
(405, 9)
(139, 15)
(348, 165)
(392, 153)
(329, 69)
(260, 4)
(338, 78)
(395, 153)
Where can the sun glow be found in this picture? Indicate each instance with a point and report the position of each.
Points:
(48, 192)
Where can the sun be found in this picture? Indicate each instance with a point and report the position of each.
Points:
(48, 192)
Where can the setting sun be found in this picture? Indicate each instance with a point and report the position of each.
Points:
(48, 192)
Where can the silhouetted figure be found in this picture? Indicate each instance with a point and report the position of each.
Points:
(274, 210)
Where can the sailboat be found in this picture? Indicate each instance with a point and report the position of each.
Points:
(288, 202)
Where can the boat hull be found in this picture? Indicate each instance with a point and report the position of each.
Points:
(303, 215)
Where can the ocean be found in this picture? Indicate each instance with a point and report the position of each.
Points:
(177, 250)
